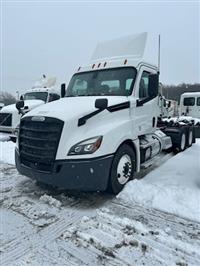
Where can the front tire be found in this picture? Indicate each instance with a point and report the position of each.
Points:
(122, 169)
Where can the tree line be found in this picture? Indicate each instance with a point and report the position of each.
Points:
(7, 98)
(173, 92)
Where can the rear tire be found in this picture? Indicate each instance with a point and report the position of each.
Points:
(194, 136)
(182, 141)
(122, 169)
(190, 137)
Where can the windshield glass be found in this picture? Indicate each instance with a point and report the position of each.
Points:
(118, 81)
(36, 96)
(190, 101)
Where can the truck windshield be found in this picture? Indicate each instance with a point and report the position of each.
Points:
(36, 96)
(118, 81)
(189, 101)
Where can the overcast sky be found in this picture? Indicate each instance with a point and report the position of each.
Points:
(55, 37)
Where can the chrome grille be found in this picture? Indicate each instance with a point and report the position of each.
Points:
(5, 119)
(38, 142)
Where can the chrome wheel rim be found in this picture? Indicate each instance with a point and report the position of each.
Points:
(183, 142)
(124, 169)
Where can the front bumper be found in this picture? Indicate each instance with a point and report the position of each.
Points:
(83, 175)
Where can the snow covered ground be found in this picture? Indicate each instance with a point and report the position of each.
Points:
(7, 152)
(174, 187)
(183, 119)
(4, 137)
(154, 221)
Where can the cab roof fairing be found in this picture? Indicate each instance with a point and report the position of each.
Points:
(132, 50)
(114, 63)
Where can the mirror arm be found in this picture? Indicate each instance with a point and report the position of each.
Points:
(143, 101)
(20, 111)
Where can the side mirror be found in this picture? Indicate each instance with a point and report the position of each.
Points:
(153, 85)
(21, 98)
(169, 104)
(19, 105)
(101, 104)
(63, 90)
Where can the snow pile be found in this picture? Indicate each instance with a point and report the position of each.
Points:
(4, 137)
(174, 187)
(7, 154)
(50, 200)
(184, 119)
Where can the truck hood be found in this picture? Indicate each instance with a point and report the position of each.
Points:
(30, 103)
(73, 107)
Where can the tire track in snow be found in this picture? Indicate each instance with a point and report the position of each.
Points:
(158, 217)
(21, 247)
(18, 249)
(105, 226)
(179, 235)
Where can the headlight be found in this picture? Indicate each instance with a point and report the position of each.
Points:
(87, 146)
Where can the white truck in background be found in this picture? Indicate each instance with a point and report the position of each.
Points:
(105, 127)
(44, 91)
(190, 104)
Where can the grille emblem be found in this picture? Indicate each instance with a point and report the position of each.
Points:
(38, 118)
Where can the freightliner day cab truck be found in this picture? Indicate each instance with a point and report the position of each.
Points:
(104, 128)
(43, 92)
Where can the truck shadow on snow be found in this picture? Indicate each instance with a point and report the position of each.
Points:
(36, 190)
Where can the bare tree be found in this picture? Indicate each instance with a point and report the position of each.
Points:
(7, 98)
(173, 92)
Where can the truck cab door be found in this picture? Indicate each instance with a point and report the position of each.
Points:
(147, 107)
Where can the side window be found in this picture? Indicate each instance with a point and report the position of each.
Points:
(189, 101)
(198, 101)
(128, 84)
(143, 87)
(53, 97)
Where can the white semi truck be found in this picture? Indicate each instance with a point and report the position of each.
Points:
(104, 128)
(190, 104)
(43, 92)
